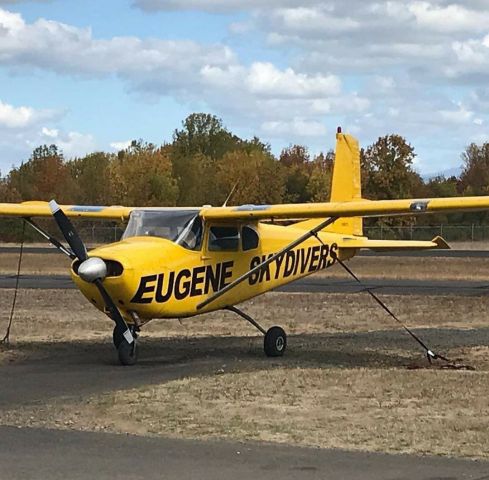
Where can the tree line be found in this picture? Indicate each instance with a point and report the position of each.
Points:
(205, 161)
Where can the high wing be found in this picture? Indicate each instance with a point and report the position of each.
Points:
(41, 209)
(356, 208)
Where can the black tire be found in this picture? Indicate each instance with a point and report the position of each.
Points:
(117, 337)
(275, 342)
(128, 352)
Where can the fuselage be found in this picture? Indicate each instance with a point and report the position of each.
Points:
(161, 278)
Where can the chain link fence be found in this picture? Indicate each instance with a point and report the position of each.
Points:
(451, 233)
(107, 232)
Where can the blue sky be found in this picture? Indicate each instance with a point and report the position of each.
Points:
(94, 75)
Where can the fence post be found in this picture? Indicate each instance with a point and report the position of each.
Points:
(381, 232)
(441, 230)
(472, 232)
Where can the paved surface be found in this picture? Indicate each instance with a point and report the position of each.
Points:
(40, 453)
(309, 284)
(74, 370)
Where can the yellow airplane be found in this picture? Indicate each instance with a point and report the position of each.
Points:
(180, 262)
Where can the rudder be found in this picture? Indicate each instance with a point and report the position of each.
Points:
(346, 183)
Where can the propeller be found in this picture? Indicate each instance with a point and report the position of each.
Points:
(92, 270)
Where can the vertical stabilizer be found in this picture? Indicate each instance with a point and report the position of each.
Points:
(346, 184)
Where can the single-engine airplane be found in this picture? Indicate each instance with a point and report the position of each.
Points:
(181, 262)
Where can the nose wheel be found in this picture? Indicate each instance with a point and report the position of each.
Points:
(127, 352)
(275, 339)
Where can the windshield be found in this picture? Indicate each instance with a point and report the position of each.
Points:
(180, 226)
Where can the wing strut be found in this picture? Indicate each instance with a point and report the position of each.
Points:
(53, 241)
(290, 246)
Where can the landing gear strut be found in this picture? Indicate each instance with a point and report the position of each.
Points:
(275, 340)
(127, 352)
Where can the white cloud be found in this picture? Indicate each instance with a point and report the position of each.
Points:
(120, 145)
(150, 64)
(50, 132)
(72, 144)
(298, 127)
(374, 67)
(265, 79)
(21, 117)
(209, 5)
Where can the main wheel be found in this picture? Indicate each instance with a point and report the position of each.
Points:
(275, 342)
(128, 352)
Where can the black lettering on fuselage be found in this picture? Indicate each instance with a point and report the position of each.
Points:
(185, 283)
(161, 297)
(314, 258)
(226, 273)
(265, 270)
(212, 278)
(279, 261)
(253, 278)
(197, 279)
(289, 263)
(323, 257)
(305, 259)
(182, 288)
(144, 288)
(333, 252)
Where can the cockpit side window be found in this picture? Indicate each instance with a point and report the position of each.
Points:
(249, 238)
(223, 238)
(191, 236)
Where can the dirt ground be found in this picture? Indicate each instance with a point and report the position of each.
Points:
(345, 381)
(408, 411)
(368, 400)
(60, 315)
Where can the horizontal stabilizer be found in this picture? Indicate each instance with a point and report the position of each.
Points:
(386, 245)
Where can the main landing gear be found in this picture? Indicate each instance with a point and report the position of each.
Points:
(275, 340)
(127, 352)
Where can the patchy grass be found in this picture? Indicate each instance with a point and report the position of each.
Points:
(419, 411)
(35, 263)
(61, 315)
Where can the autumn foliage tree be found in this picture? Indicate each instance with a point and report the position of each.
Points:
(205, 161)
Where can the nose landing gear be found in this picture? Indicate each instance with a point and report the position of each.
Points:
(127, 352)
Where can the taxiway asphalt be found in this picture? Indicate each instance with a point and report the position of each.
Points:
(41, 453)
(311, 284)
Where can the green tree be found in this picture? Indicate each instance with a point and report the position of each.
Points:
(91, 176)
(44, 176)
(141, 175)
(387, 169)
(297, 167)
(474, 179)
(387, 173)
(258, 177)
(319, 184)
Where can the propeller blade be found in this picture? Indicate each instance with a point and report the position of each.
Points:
(115, 314)
(68, 231)
(79, 249)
